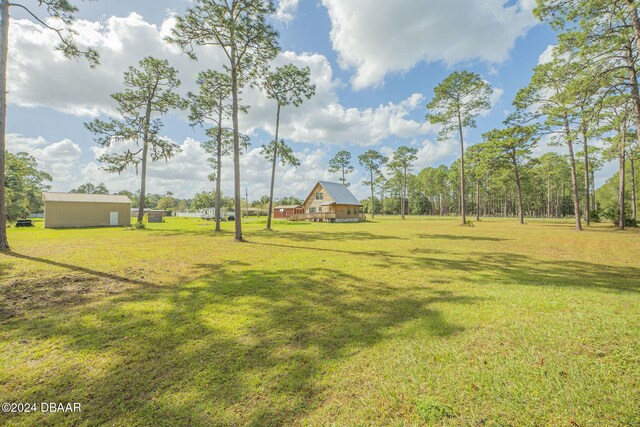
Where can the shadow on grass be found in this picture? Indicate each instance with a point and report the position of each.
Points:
(456, 237)
(297, 236)
(482, 268)
(243, 347)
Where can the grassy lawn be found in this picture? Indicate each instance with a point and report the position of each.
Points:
(414, 322)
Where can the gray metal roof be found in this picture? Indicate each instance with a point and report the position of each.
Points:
(86, 198)
(340, 193)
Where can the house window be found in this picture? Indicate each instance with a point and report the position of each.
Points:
(320, 196)
(320, 209)
(348, 211)
(312, 210)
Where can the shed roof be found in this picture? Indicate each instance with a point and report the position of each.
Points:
(340, 193)
(287, 207)
(84, 198)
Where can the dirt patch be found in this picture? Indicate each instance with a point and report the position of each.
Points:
(19, 296)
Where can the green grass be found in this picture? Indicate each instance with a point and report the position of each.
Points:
(416, 322)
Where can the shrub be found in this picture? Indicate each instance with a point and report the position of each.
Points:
(613, 215)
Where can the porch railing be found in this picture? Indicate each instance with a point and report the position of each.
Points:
(319, 216)
(312, 216)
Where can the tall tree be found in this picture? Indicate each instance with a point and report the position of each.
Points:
(287, 85)
(272, 152)
(550, 98)
(211, 105)
(24, 185)
(616, 119)
(149, 95)
(381, 184)
(458, 101)
(514, 145)
(240, 29)
(480, 162)
(401, 163)
(373, 162)
(63, 12)
(341, 163)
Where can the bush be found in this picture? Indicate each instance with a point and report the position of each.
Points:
(595, 216)
(613, 215)
(140, 226)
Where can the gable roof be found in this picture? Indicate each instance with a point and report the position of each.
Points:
(86, 198)
(339, 193)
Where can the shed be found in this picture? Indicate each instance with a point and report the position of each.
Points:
(285, 211)
(70, 210)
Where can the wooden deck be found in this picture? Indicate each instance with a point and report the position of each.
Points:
(321, 217)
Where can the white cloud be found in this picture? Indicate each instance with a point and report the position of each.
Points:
(286, 10)
(40, 76)
(378, 37)
(58, 158)
(547, 55)
(184, 175)
(187, 173)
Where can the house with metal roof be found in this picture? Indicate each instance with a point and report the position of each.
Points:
(330, 202)
(69, 210)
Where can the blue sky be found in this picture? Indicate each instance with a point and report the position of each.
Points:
(375, 67)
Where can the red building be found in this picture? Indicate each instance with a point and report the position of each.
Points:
(284, 212)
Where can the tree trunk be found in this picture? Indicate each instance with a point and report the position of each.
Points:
(587, 194)
(504, 203)
(373, 207)
(404, 194)
(145, 153)
(635, 22)
(634, 205)
(478, 200)
(594, 205)
(548, 195)
(273, 169)
(143, 183)
(574, 177)
(401, 194)
(218, 202)
(519, 186)
(4, 51)
(462, 204)
(236, 147)
(621, 177)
